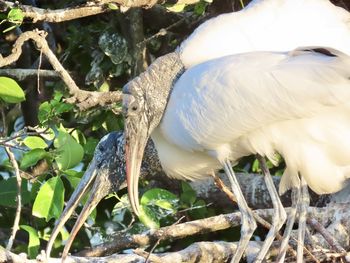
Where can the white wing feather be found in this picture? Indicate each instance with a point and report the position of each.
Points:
(257, 102)
(269, 25)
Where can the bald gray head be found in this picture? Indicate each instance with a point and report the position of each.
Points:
(144, 103)
(105, 175)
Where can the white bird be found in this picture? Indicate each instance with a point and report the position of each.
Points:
(269, 25)
(252, 103)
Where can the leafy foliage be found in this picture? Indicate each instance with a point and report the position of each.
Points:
(98, 52)
(10, 91)
(34, 241)
(15, 16)
(49, 201)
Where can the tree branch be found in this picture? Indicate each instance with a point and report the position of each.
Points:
(83, 99)
(22, 74)
(19, 198)
(201, 226)
(326, 235)
(59, 15)
(209, 252)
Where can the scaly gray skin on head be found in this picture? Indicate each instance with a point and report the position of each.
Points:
(144, 102)
(106, 172)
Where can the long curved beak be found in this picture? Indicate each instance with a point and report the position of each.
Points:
(97, 193)
(82, 188)
(106, 170)
(135, 142)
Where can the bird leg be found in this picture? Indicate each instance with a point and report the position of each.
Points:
(279, 215)
(248, 221)
(289, 225)
(303, 204)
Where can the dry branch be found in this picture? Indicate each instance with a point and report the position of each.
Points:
(205, 252)
(83, 99)
(15, 226)
(59, 15)
(89, 9)
(326, 235)
(22, 74)
(197, 252)
(211, 224)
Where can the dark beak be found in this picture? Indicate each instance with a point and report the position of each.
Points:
(82, 188)
(98, 192)
(107, 172)
(136, 137)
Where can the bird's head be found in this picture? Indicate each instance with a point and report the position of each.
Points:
(144, 103)
(105, 175)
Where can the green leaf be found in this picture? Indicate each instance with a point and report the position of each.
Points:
(148, 217)
(64, 234)
(113, 6)
(73, 181)
(90, 146)
(10, 91)
(35, 142)
(70, 153)
(35, 189)
(32, 157)
(34, 241)
(161, 198)
(112, 123)
(15, 16)
(188, 195)
(176, 8)
(45, 110)
(199, 8)
(49, 134)
(199, 210)
(8, 192)
(49, 201)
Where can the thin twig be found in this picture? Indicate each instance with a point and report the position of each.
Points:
(3, 118)
(20, 134)
(162, 31)
(159, 239)
(19, 198)
(59, 15)
(22, 74)
(38, 74)
(83, 99)
(326, 235)
(13, 146)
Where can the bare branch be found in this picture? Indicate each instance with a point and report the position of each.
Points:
(326, 235)
(207, 225)
(19, 198)
(89, 9)
(59, 15)
(130, 3)
(22, 74)
(83, 99)
(208, 252)
(4, 124)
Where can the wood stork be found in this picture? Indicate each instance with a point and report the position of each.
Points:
(105, 175)
(264, 25)
(293, 103)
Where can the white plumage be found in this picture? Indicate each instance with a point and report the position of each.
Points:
(264, 25)
(269, 25)
(260, 103)
(227, 106)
